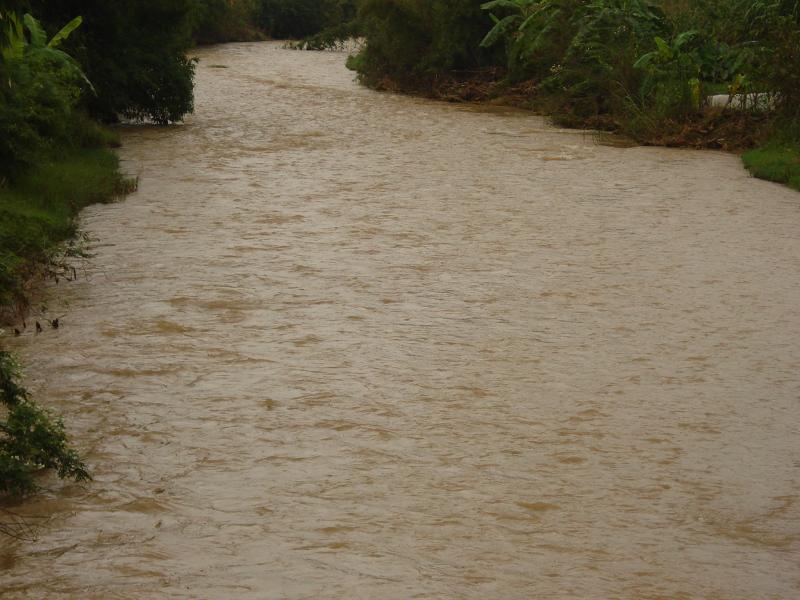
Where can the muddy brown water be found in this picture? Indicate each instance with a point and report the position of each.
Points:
(344, 344)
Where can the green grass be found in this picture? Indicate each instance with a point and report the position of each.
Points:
(37, 211)
(775, 162)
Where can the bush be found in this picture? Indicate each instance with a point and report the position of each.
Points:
(293, 19)
(30, 438)
(775, 25)
(218, 21)
(413, 41)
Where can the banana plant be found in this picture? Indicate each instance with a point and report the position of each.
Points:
(17, 45)
(677, 63)
(666, 52)
(13, 39)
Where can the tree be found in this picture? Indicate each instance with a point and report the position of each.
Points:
(134, 53)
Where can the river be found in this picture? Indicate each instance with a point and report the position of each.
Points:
(345, 344)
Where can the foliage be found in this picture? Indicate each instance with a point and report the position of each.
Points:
(583, 51)
(294, 19)
(774, 25)
(536, 34)
(133, 52)
(217, 21)
(775, 163)
(597, 69)
(38, 92)
(37, 211)
(331, 38)
(30, 438)
(414, 41)
(672, 84)
(343, 27)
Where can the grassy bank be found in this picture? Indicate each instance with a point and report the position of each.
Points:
(775, 162)
(38, 212)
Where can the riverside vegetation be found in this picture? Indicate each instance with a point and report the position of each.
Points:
(104, 61)
(643, 68)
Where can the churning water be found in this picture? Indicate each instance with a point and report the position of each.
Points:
(344, 344)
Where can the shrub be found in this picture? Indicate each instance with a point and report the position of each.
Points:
(413, 41)
(217, 21)
(775, 26)
(293, 19)
(31, 439)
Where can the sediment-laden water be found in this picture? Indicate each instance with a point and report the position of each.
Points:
(344, 344)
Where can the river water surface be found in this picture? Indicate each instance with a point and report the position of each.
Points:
(343, 344)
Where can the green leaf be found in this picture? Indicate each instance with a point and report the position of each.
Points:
(664, 50)
(16, 39)
(531, 18)
(65, 31)
(503, 4)
(38, 35)
(644, 60)
(684, 37)
(502, 26)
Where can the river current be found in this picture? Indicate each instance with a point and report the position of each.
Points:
(344, 344)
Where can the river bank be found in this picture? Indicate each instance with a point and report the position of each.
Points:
(38, 214)
(641, 68)
(768, 152)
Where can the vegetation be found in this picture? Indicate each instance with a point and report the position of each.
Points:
(218, 21)
(775, 161)
(341, 26)
(53, 159)
(30, 438)
(326, 21)
(133, 52)
(37, 214)
(296, 19)
(411, 43)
